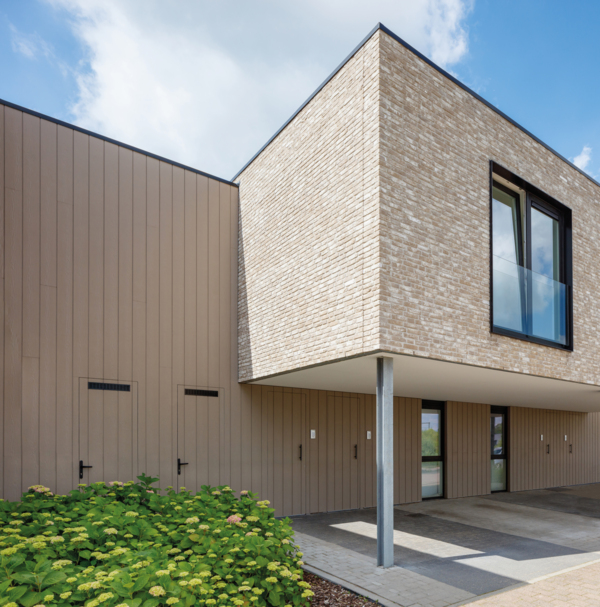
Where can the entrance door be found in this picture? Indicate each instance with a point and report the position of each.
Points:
(287, 448)
(432, 449)
(108, 428)
(499, 451)
(198, 437)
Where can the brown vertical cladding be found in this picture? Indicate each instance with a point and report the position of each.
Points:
(467, 449)
(536, 463)
(121, 267)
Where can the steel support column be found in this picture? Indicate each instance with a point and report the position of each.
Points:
(385, 462)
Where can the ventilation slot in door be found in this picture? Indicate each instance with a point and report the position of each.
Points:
(194, 392)
(94, 385)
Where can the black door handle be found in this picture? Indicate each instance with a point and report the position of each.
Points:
(300, 451)
(355, 451)
(570, 448)
(548, 449)
(81, 467)
(179, 464)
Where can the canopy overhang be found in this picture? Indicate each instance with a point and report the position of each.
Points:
(426, 378)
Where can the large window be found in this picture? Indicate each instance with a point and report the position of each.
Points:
(531, 263)
(432, 449)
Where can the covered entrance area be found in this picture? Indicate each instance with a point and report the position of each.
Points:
(450, 551)
(487, 430)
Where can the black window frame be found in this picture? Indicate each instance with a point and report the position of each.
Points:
(437, 405)
(535, 198)
(505, 411)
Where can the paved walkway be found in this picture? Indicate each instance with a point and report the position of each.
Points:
(534, 548)
(359, 573)
(577, 588)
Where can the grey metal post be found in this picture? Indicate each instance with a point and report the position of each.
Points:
(385, 462)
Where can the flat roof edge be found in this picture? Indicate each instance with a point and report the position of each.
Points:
(312, 96)
(20, 108)
(442, 71)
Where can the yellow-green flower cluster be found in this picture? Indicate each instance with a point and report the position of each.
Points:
(173, 547)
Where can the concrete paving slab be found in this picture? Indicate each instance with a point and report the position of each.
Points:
(568, 530)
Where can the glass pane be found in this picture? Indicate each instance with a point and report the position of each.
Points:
(431, 478)
(545, 317)
(505, 211)
(498, 475)
(509, 295)
(548, 308)
(497, 434)
(545, 255)
(430, 432)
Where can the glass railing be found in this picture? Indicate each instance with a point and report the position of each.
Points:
(529, 303)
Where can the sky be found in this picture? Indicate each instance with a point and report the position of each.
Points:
(206, 83)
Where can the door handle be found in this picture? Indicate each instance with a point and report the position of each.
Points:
(81, 468)
(300, 457)
(355, 451)
(548, 449)
(570, 448)
(179, 464)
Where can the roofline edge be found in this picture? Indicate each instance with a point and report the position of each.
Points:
(442, 71)
(79, 129)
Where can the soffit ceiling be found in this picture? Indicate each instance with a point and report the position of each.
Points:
(416, 377)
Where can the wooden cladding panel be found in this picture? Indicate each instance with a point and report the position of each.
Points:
(118, 267)
(407, 450)
(569, 462)
(467, 449)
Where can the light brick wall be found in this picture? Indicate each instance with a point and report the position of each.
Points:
(436, 144)
(365, 226)
(308, 248)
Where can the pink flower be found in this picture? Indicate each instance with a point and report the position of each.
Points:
(117, 483)
(149, 491)
(234, 519)
(243, 493)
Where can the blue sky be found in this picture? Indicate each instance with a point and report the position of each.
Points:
(207, 83)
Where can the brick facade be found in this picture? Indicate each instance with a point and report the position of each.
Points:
(308, 231)
(364, 225)
(436, 144)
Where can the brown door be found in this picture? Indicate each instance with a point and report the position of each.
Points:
(287, 449)
(198, 434)
(108, 427)
(343, 453)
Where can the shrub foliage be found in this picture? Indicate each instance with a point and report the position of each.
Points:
(130, 545)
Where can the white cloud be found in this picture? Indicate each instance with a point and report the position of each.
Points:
(207, 83)
(582, 160)
(32, 46)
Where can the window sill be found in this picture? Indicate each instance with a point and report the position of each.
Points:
(531, 339)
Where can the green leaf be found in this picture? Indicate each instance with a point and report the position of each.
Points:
(18, 592)
(120, 589)
(190, 600)
(31, 598)
(151, 603)
(274, 598)
(25, 578)
(53, 577)
(262, 561)
(4, 586)
(194, 537)
(133, 602)
(140, 583)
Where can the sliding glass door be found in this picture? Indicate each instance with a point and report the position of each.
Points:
(432, 449)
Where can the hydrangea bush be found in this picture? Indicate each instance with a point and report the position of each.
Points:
(129, 545)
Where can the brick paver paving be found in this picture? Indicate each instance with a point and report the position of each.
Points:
(579, 587)
(358, 572)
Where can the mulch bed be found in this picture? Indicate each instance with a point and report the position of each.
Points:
(328, 594)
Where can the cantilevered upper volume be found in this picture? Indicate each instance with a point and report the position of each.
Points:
(366, 226)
